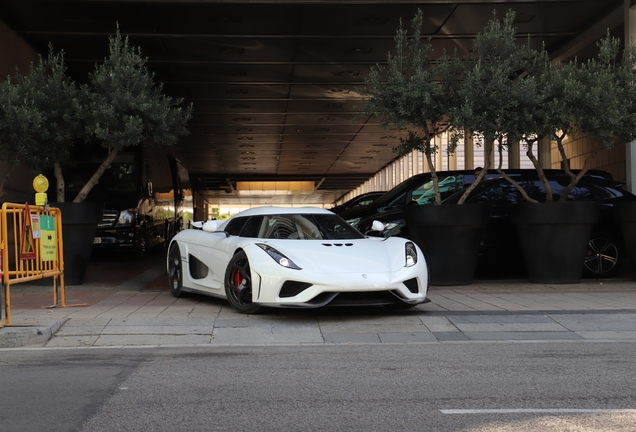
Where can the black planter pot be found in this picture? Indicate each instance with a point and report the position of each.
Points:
(449, 236)
(554, 238)
(626, 215)
(79, 225)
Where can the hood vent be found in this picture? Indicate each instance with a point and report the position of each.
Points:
(337, 244)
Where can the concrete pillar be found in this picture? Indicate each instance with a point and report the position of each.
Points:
(414, 162)
(514, 159)
(544, 153)
(469, 152)
(630, 149)
(405, 167)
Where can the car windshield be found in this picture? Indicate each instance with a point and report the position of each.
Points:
(300, 227)
(501, 193)
(425, 194)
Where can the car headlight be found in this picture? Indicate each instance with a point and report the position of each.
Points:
(411, 254)
(354, 222)
(126, 218)
(278, 257)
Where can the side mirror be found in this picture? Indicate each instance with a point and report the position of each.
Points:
(378, 226)
(211, 226)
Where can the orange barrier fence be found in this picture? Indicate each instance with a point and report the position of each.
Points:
(31, 248)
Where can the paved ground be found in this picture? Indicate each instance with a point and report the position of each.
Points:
(127, 304)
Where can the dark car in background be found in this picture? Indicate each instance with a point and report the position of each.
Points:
(419, 186)
(606, 249)
(362, 200)
(500, 246)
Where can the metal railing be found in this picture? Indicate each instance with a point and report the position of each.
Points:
(31, 248)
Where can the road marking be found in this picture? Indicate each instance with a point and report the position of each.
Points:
(534, 411)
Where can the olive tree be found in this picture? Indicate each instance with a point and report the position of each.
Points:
(414, 90)
(41, 115)
(594, 100)
(44, 114)
(18, 120)
(499, 99)
(125, 106)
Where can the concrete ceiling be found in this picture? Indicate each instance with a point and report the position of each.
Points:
(273, 83)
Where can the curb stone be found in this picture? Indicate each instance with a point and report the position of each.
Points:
(37, 334)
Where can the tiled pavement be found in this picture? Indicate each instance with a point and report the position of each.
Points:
(128, 304)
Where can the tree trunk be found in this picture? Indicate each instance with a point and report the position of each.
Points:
(81, 196)
(59, 191)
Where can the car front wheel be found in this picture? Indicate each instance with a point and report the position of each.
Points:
(238, 285)
(603, 257)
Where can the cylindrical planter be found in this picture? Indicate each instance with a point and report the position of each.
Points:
(626, 215)
(554, 238)
(449, 236)
(79, 225)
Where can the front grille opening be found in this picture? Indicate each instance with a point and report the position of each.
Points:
(108, 219)
(370, 298)
(293, 288)
(412, 285)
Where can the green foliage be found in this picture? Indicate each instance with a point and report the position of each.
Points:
(594, 100)
(503, 92)
(499, 97)
(126, 106)
(18, 120)
(56, 97)
(413, 90)
(44, 114)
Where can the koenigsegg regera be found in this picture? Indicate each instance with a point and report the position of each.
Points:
(294, 257)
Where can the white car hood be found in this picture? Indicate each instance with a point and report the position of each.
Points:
(342, 256)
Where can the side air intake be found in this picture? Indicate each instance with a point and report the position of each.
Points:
(292, 288)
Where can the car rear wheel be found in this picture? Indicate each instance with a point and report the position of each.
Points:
(175, 270)
(238, 285)
(602, 259)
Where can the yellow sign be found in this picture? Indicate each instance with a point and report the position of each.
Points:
(27, 250)
(48, 250)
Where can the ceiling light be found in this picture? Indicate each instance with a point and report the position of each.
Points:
(275, 188)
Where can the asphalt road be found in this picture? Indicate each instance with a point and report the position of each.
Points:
(486, 386)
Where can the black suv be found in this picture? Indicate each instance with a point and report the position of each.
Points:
(362, 200)
(501, 244)
(388, 208)
(419, 187)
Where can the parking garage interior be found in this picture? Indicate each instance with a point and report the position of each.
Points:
(274, 84)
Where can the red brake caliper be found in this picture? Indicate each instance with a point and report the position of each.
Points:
(237, 278)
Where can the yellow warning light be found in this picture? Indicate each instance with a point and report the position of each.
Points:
(41, 185)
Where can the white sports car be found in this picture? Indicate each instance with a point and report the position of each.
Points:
(294, 257)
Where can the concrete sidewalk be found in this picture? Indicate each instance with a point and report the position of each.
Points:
(133, 306)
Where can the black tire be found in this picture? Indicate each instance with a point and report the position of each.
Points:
(603, 257)
(175, 271)
(238, 285)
